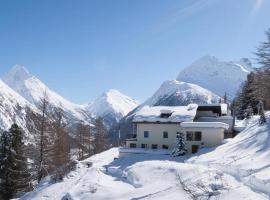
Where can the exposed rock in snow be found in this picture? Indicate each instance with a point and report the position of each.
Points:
(176, 93)
(217, 76)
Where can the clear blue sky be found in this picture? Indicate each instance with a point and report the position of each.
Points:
(81, 48)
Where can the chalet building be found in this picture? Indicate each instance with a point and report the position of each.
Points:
(158, 127)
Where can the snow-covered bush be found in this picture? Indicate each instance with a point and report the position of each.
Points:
(180, 148)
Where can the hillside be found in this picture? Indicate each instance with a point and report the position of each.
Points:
(238, 169)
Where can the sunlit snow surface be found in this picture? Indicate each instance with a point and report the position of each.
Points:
(239, 169)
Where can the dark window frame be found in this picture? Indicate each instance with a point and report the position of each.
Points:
(133, 145)
(165, 134)
(146, 134)
(164, 146)
(144, 146)
(154, 146)
(197, 136)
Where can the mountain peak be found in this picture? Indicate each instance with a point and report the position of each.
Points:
(17, 72)
(113, 92)
(216, 75)
(112, 102)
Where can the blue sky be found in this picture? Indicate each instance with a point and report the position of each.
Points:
(82, 48)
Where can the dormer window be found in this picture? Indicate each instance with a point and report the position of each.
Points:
(165, 113)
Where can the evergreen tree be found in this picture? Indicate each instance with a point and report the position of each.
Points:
(248, 112)
(262, 119)
(14, 174)
(180, 149)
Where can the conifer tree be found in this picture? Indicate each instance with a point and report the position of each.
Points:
(14, 174)
(262, 119)
(180, 148)
(248, 112)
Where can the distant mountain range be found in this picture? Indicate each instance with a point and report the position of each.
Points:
(204, 81)
(21, 91)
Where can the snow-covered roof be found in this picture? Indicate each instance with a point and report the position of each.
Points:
(204, 125)
(178, 113)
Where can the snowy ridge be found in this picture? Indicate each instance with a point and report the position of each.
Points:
(32, 89)
(13, 109)
(184, 92)
(218, 76)
(114, 103)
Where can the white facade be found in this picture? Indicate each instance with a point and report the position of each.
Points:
(202, 126)
(164, 135)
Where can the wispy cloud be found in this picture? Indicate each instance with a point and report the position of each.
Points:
(182, 14)
(258, 4)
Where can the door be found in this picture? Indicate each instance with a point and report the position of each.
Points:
(195, 148)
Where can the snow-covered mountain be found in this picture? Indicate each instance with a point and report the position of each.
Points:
(175, 93)
(218, 76)
(32, 89)
(171, 93)
(15, 109)
(112, 106)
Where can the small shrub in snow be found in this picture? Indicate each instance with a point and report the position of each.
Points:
(180, 149)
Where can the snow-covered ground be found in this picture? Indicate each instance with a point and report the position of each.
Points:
(238, 169)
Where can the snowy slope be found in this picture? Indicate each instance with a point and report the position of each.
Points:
(32, 89)
(13, 109)
(176, 93)
(112, 106)
(238, 169)
(217, 76)
(246, 157)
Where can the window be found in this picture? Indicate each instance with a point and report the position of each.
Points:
(189, 136)
(194, 136)
(146, 134)
(165, 115)
(198, 136)
(132, 145)
(144, 146)
(154, 146)
(165, 134)
(165, 146)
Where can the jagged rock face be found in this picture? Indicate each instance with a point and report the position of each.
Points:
(217, 76)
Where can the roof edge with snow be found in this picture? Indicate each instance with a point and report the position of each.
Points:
(204, 125)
